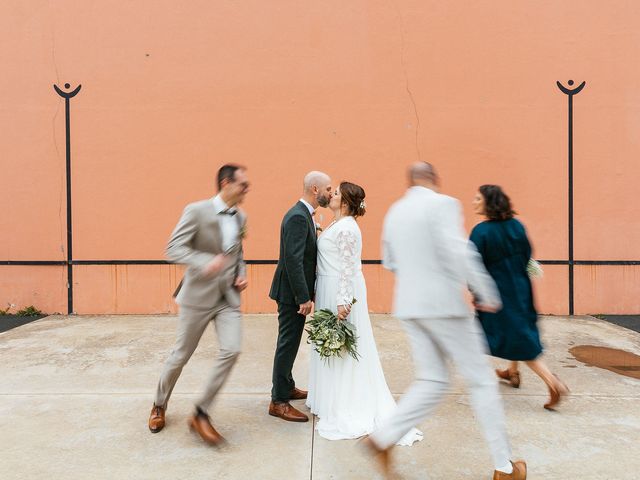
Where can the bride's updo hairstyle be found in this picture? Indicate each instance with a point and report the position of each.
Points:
(353, 197)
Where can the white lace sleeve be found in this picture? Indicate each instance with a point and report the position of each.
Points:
(346, 241)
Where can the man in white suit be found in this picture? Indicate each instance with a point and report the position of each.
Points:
(425, 246)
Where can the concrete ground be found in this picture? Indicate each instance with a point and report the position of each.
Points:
(75, 394)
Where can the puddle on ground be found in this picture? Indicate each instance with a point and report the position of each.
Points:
(612, 359)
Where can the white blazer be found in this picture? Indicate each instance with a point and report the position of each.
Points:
(424, 244)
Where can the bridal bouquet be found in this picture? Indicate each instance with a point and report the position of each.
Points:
(330, 336)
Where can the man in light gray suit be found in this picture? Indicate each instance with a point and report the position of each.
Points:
(208, 239)
(425, 246)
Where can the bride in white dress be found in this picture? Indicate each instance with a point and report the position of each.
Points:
(350, 397)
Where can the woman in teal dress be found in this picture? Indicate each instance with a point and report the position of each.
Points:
(512, 333)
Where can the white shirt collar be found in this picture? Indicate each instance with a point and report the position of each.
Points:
(308, 205)
(219, 204)
(420, 188)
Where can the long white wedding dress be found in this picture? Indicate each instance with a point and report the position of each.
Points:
(350, 397)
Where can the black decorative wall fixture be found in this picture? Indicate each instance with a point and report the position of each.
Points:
(68, 95)
(570, 94)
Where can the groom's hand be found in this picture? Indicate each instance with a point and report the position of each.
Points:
(305, 308)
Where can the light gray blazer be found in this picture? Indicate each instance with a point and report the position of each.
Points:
(424, 244)
(195, 241)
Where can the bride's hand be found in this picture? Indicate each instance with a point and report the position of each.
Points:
(343, 311)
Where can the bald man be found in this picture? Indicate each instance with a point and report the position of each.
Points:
(425, 246)
(293, 289)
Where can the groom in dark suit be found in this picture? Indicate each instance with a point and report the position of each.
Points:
(293, 289)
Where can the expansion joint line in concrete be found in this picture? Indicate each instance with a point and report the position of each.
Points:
(313, 438)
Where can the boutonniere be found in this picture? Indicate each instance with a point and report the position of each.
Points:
(243, 232)
(318, 228)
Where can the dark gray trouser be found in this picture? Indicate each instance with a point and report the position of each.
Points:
(290, 328)
(191, 325)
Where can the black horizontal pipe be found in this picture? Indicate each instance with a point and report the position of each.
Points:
(25, 263)
(270, 262)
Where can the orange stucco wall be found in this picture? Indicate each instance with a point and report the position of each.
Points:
(171, 90)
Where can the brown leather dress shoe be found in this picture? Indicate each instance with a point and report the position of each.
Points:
(382, 457)
(297, 394)
(519, 472)
(202, 425)
(156, 419)
(286, 412)
(512, 378)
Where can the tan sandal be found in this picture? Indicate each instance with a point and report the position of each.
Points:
(512, 378)
(556, 394)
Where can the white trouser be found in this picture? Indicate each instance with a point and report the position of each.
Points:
(433, 340)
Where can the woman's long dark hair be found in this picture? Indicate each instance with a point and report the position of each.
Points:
(497, 205)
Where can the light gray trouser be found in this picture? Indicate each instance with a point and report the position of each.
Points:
(191, 325)
(433, 340)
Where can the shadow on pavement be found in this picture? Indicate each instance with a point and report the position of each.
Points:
(7, 322)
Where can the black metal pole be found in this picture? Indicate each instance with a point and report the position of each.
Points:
(67, 122)
(570, 94)
(67, 107)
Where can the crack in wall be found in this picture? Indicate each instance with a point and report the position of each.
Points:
(63, 280)
(406, 77)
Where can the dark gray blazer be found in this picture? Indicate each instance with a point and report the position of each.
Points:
(295, 277)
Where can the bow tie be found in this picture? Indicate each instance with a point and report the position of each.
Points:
(228, 211)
